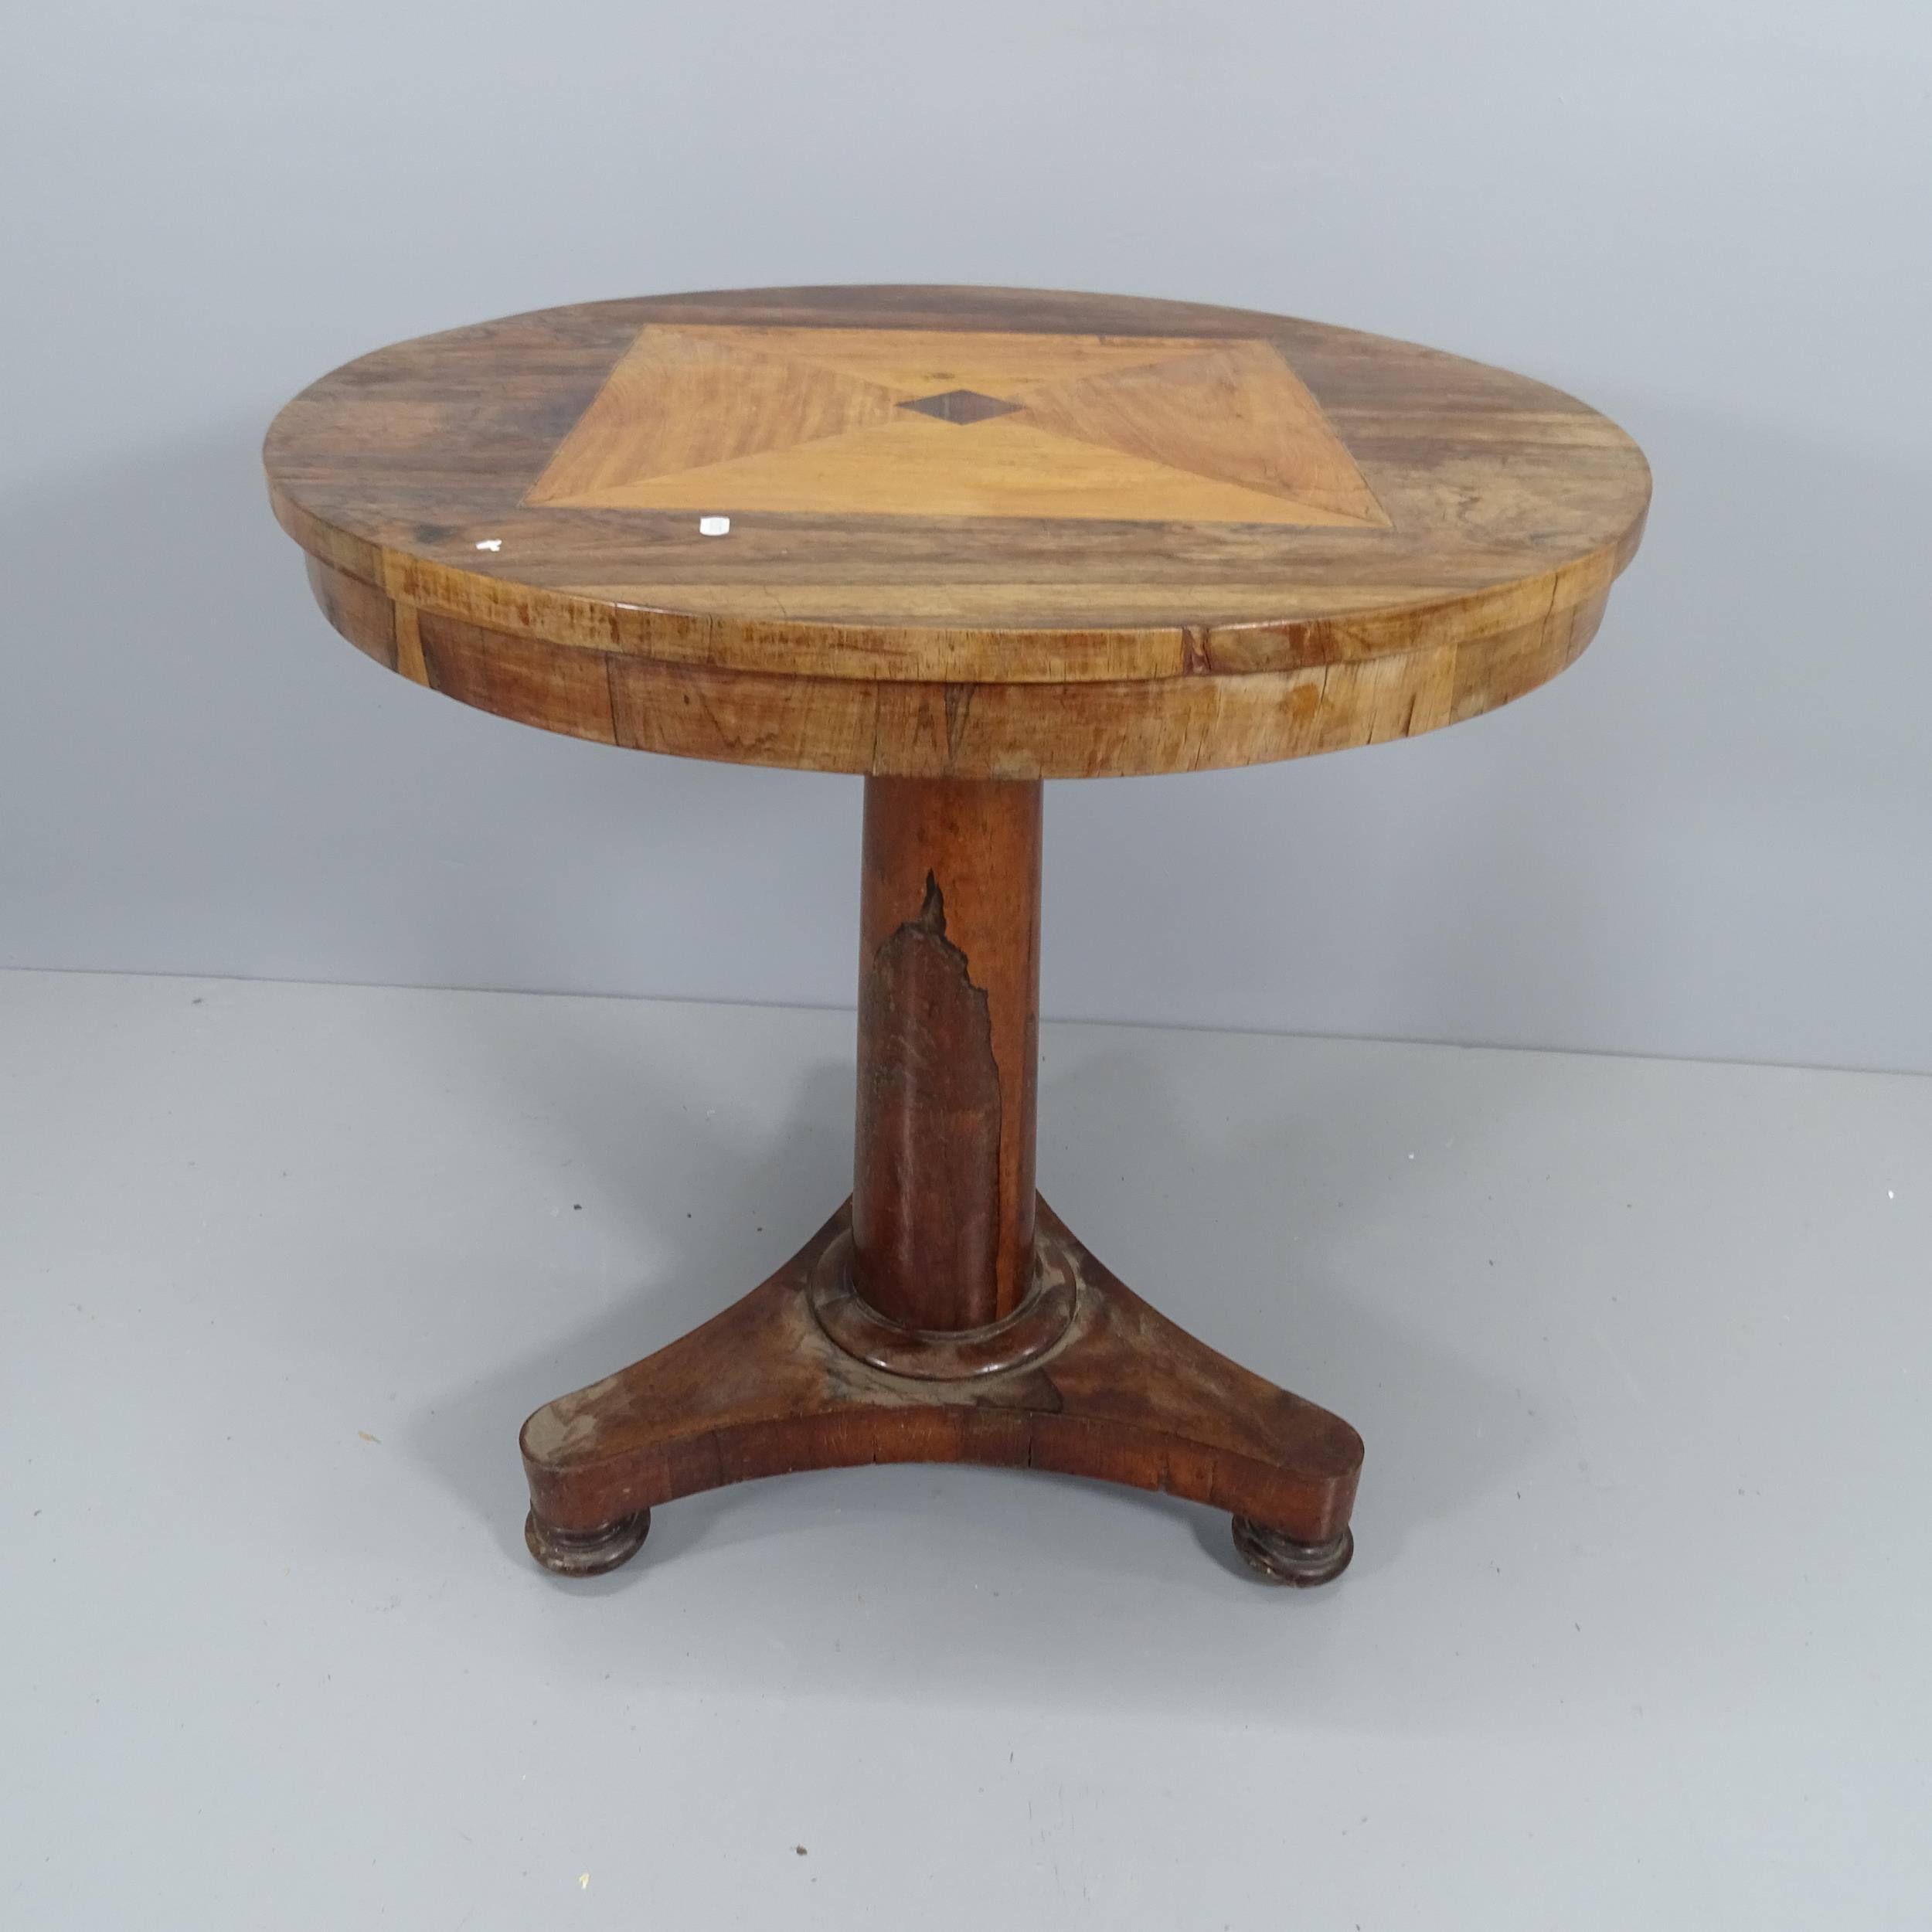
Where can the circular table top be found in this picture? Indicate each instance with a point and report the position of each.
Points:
(955, 531)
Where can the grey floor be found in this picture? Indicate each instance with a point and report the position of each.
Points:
(1636, 1636)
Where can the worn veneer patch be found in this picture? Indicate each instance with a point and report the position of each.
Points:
(926, 1051)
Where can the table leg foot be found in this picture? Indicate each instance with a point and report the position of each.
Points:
(1115, 1391)
(586, 1552)
(1277, 1558)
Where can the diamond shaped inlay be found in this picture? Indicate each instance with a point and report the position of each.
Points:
(961, 405)
(736, 418)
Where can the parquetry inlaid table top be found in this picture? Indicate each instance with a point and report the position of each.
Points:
(971, 533)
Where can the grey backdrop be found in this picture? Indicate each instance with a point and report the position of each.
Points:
(1709, 219)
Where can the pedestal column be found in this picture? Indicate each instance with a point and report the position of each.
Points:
(942, 1201)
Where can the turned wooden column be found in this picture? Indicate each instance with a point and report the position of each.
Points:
(942, 1210)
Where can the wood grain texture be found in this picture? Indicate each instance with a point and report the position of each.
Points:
(760, 1389)
(1107, 524)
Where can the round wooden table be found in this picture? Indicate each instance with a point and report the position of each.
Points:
(958, 541)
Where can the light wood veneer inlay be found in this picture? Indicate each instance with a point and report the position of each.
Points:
(949, 423)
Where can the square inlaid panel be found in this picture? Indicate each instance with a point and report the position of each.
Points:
(930, 423)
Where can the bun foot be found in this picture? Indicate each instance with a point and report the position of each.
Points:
(587, 1552)
(1277, 1558)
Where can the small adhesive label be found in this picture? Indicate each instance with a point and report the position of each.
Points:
(491, 543)
(714, 526)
